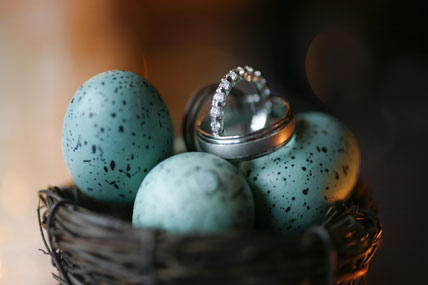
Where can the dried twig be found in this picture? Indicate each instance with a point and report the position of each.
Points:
(92, 248)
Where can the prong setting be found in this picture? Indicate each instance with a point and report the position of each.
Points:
(226, 84)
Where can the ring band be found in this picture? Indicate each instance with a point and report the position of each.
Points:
(227, 83)
(241, 104)
(253, 144)
(191, 114)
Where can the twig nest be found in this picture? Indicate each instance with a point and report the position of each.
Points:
(194, 192)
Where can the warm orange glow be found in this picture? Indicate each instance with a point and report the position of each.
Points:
(48, 49)
(15, 202)
(1, 271)
(145, 73)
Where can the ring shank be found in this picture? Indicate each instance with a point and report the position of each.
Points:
(227, 83)
(254, 144)
(244, 113)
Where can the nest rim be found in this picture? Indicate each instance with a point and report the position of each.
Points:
(65, 246)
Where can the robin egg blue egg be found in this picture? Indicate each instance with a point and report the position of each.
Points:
(194, 192)
(294, 186)
(116, 129)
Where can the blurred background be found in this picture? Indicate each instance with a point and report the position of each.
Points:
(363, 61)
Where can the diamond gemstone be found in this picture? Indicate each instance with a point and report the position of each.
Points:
(220, 90)
(240, 71)
(225, 84)
(216, 111)
(233, 75)
(249, 69)
(218, 103)
(220, 97)
(216, 126)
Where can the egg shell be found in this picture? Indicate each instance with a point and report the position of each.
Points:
(194, 192)
(116, 129)
(294, 186)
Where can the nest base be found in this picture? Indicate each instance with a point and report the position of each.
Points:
(88, 247)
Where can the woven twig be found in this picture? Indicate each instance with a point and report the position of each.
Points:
(92, 248)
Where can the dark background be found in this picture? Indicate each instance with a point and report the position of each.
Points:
(366, 62)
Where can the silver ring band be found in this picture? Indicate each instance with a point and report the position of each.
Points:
(193, 108)
(244, 112)
(253, 144)
(227, 83)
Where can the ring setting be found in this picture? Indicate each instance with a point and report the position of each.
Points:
(263, 125)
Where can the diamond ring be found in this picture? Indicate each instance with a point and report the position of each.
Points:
(245, 112)
(226, 84)
(253, 144)
(242, 132)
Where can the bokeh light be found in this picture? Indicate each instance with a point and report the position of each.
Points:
(338, 66)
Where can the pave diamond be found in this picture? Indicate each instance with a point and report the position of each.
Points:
(220, 103)
(249, 69)
(220, 90)
(216, 126)
(233, 76)
(220, 97)
(225, 84)
(240, 71)
(216, 112)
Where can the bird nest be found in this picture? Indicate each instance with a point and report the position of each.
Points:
(89, 246)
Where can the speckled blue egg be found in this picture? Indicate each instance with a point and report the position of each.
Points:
(194, 192)
(116, 129)
(294, 186)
